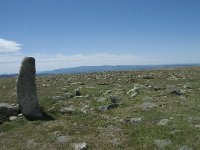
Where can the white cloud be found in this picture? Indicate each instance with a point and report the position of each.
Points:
(10, 63)
(9, 46)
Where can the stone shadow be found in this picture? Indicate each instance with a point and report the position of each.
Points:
(44, 117)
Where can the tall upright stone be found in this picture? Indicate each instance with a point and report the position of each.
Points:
(26, 89)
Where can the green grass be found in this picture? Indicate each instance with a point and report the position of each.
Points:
(100, 129)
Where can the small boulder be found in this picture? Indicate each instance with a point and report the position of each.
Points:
(112, 106)
(163, 122)
(147, 105)
(161, 144)
(5, 109)
(114, 99)
(77, 92)
(68, 95)
(57, 98)
(80, 146)
(12, 118)
(101, 100)
(63, 139)
(135, 120)
(69, 109)
(185, 148)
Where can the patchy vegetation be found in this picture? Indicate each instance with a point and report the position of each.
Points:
(141, 110)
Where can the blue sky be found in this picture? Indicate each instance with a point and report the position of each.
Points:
(69, 33)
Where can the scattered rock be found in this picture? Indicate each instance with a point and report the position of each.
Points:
(176, 131)
(77, 92)
(68, 95)
(147, 105)
(135, 120)
(197, 126)
(8, 110)
(156, 88)
(134, 94)
(102, 83)
(112, 106)
(116, 141)
(63, 139)
(86, 96)
(163, 122)
(114, 99)
(108, 92)
(101, 100)
(12, 118)
(135, 91)
(102, 108)
(176, 92)
(147, 77)
(187, 86)
(69, 109)
(185, 148)
(161, 144)
(80, 146)
(30, 144)
(85, 108)
(5, 109)
(108, 107)
(173, 90)
(57, 98)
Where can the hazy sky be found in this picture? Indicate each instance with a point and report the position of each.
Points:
(68, 33)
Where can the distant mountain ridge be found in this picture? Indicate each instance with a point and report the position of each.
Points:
(90, 69)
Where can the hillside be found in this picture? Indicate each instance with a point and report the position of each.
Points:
(132, 110)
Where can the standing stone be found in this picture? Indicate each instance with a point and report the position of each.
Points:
(26, 89)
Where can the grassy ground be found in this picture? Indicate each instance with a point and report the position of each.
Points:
(110, 129)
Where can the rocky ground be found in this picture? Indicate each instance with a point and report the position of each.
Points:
(134, 110)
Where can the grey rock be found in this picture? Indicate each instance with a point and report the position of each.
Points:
(116, 141)
(112, 106)
(114, 99)
(161, 144)
(30, 144)
(101, 100)
(176, 131)
(147, 105)
(77, 92)
(187, 86)
(57, 98)
(85, 108)
(176, 92)
(185, 148)
(69, 109)
(12, 118)
(102, 108)
(134, 94)
(108, 107)
(80, 146)
(68, 95)
(5, 109)
(135, 120)
(108, 92)
(26, 89)
(163, 122)
(86, 96)
(63, 139)
(197, 126)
